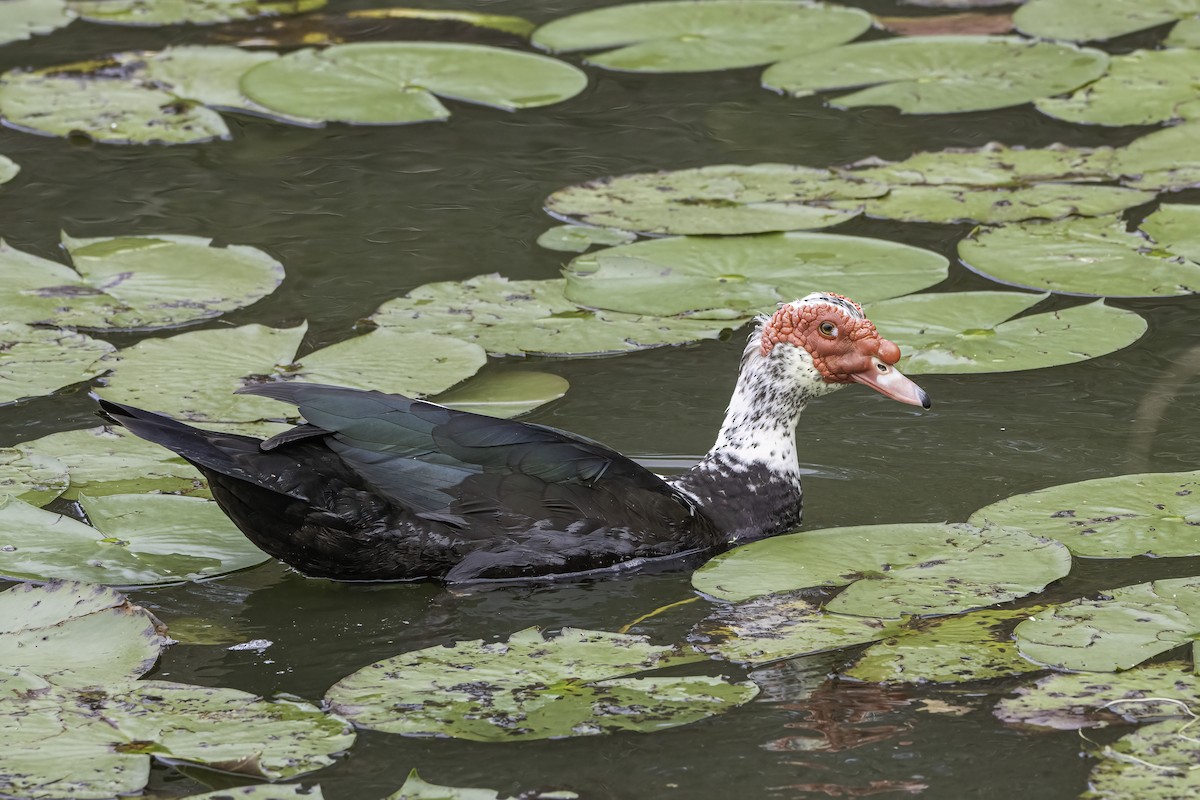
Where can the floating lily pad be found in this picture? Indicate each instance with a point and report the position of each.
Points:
(8, 169)
(415, 788)
(531, 688)
(1166, 159)
(1155, 514)
(103, 461)
(994, 165)
(578, 238)
(263, 791)
(736, 276)
(1097, 20)
(891, 570)
(966, 332)
(1120, 630)
(381, 83)
(945, 203)
(940, 74)
(1155, 762)
(1186, 33)
(35, 478)
(703, 35)
(176, 12)
(972, 647)
(138, 540)
(1087, 700)
(721, 199)
(1093, 256)
(533, 318)
(504, 394)
(21, 19)
(77, 634)
(1142, 88)
(518, 26)
(37, 361)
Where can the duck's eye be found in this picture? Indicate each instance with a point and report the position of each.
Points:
(828, 329)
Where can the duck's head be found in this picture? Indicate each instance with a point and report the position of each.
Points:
(826, 341)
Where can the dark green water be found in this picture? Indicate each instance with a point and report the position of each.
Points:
(361, 215)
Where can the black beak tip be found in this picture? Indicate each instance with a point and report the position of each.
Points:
(926, 403)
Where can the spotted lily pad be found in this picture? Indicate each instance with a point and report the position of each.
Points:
(702, 35)
(578, 238)
(1155, 762)
(722, 199)
(21, 19)
(993, 166)
(1097, 20)
(396, 82)
(1094, 256)
(37, 361)
(505, 394)
(1142, 88)
(967, 332)
(940, 74)
(736, 276)
(1166, 159)
(175, 12)
(138, 540)
(531, 687)
(1121, 629)
(415, 788)
(891, 570)
(36, 478)
(1155, 514)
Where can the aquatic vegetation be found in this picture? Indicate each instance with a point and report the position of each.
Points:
(1140, 88)
(37, 361)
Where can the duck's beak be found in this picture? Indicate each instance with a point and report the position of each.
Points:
(890, 382)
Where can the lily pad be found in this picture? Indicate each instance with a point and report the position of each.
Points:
(504, 394)
(972, 647)
(1155, 762)
(1168, 159)
(1121, 629)
(263, 791)
(531, 687)
(37, 361)
(702, 35)
(940, 74)
(993, 165)
(103, 461)
(534, 318)
(518, 26)
(21, 19)
(415, 788)
(578, 238)
(77, 634)
(721, 199)
(891, 570)
(8, 169)
(382, 83)
(1186, 33)
(33, 477)
(1093, 256)
(1097, 20)
(1142, 88)
(735, 276)
(176, 12)
(1154, 514)
(138, 540)
(966, 332)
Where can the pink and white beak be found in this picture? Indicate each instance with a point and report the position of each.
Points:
(891, 382)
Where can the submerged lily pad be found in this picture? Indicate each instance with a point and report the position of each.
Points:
(940, 74)
(381, 83)
(175, 12)
(1097, 20)
(37, 361)
(702, 35)
(891, 570)
(736, 276)
(505, 394)
(1121, 629)
(578, 238)
(21, 19)
(531, 687)
(138, 540)
(1093, 256)
(966, 332)
(1141, 88)
(36, 478)
(1154, 514)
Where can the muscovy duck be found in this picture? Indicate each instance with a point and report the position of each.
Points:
(378, 486)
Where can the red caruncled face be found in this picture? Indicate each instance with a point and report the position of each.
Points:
(841, 346)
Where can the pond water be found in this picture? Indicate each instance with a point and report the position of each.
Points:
(361, 215)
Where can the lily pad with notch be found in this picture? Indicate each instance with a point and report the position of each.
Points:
(178, 12)
(39, 361)
(701, 35)
(1144, 87)
(940, 74)
(532, 687)
(1098, 20)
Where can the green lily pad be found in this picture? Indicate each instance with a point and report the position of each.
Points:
(263, 791)
(1186, 33)
(971, 647)
(103, 461)
(736, 276)
(176, 12)
(503, 394)
(518, 26)
(533, 318)
(36, 478)
(394, 83)
(1097, 20)
(1120, 630)
(1155, 762)
(578, 238)
(8, 169)
(1088, 700)
(1154, 514)
(531, 687)
(415, 788)
(77, 634)
(1142, 88)
(1092, 256)
(940, 74)
(138, 540)
(891, 570)
(21, 19)
(721, 199)
(966, 332)
(994, 166)
(1159, 161)
(704, 35)
(37, 361)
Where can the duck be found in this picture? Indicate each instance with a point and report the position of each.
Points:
(381, 487)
